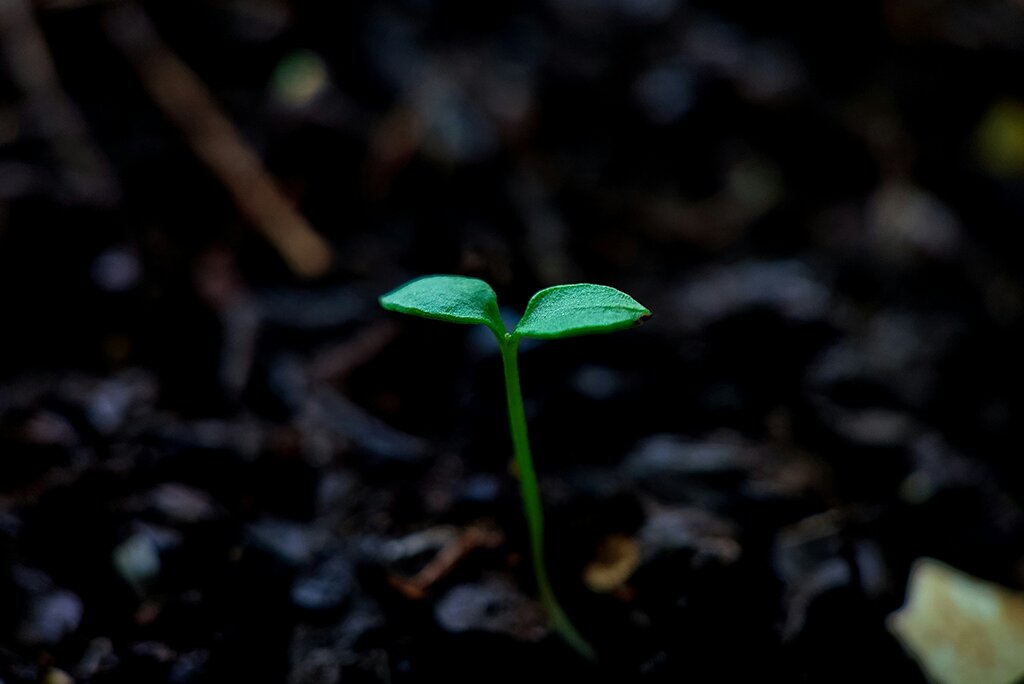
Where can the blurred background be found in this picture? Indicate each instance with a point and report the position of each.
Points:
(221, 461)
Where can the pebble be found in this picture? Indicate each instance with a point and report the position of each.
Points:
(181, 503)
(598, 383)
(52, 617)
(907, 223)
(137, 560)
(319, 653)
(479, 488)
(897, 350)
(667, 455)
(787, 288)
(336, 492)
(295, 544)
(55, 676)
(113, 401)
(52, 614)
(299, 78)
(396, 550)
(326, 586)
(674, 528)
(117, 269)
(870, 427)
(492, 605)
(666, 92)
(189, 668)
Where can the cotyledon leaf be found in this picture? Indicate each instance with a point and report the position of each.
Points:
(456, 299)
(579, 309)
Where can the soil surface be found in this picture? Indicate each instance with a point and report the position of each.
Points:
(221, 461)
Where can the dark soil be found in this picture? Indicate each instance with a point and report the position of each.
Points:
(218, 467)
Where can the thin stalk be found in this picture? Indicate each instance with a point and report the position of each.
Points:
(531, 498)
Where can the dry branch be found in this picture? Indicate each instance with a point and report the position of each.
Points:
(190, 106)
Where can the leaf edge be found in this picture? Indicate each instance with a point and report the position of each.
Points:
(585, 330)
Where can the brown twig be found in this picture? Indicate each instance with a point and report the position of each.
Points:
(86, 173)
(479, 535)
(190, 106)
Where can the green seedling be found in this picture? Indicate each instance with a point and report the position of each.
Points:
(556, 312)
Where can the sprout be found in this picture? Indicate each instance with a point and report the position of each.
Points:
(552, 313)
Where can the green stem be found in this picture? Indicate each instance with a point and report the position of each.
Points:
(531, 497)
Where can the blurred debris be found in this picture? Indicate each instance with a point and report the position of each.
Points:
(547, 234)
(478, 490)
(348, 421)
(336, 362)
(999, 139)
(299, 78)
(961, 629)
(995, 518)
(937, 467)
(715, 44)
(98, 657)
(666, 92)
(56, 676)
(598, 383)
(337, 493)
(403, 550)
(110, 404)
(117, 269)
(189, 667)
(243, 437)
(456, 130)
(320, 655)
(771, 71)
(711, 539)
(817, 557)
(991, 24)
(897, 349)
(311, 310)
(616, 558)
(259, 21)
(870, 427)
(46, 427)
(906, 222)
(709, 472)
(752, 186)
